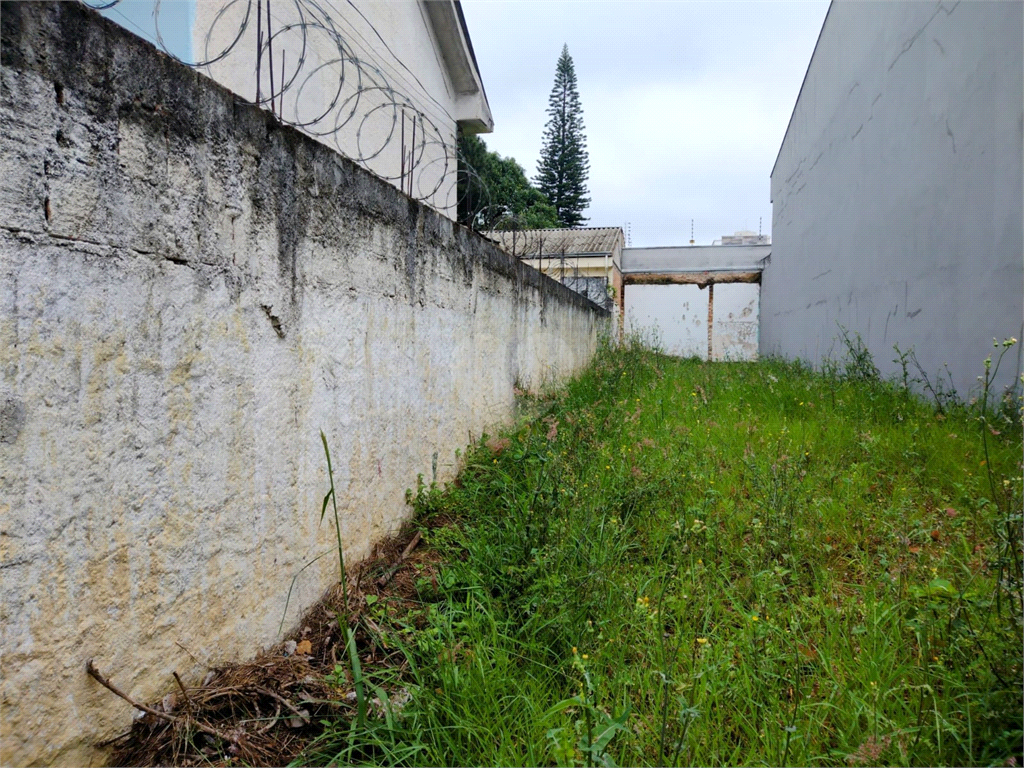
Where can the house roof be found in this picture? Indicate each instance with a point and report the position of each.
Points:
(469, 44)
(593, 241)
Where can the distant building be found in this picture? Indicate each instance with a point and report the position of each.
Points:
(587, 259)
(696, 301)
(897, 192)
(744, 237)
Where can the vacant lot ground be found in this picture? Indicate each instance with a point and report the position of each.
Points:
(684, 563)
(681, 563)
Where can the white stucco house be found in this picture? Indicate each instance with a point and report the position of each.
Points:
(388, 84)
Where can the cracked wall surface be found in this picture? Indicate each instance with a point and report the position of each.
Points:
(189, 293)
(897, 192)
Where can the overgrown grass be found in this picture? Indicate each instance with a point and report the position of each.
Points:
(681, 563)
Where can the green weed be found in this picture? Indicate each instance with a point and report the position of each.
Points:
(683, 563)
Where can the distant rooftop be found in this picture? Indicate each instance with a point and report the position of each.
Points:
(744, 237)
(593, 241)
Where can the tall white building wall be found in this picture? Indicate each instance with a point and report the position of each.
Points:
(897, 190)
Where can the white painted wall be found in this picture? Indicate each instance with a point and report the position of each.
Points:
(734, 333)
(676, 316)
(898, 190)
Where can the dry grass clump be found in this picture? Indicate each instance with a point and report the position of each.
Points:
(266, 710)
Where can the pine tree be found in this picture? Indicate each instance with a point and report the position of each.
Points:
(562, 175)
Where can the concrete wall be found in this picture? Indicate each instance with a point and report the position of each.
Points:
(675, 316)
(672, 292)
(188, 294)
(735, 324)
(897, 190)
(694, 258)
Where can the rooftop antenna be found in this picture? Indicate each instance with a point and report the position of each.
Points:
(629, 234)
(691, 231)
(759, 219)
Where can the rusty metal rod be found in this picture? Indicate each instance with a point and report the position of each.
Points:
(259, 48)
(412, 155)
(270, 53)
(280, 102)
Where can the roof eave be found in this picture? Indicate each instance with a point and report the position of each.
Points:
(472, 110)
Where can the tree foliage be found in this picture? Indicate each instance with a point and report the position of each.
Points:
(564, 165)
(494, 192)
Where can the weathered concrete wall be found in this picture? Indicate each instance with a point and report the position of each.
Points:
(188, 294)
(673, 293)
(675, 315)
(897, 190)
(735, 324)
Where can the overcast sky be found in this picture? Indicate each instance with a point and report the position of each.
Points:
(685, 103)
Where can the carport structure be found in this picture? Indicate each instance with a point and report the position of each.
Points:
(697, 301)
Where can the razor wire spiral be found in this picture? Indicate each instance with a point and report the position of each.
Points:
(323, 86)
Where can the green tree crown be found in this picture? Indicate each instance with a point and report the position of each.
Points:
(494, 192)
(564, 165)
